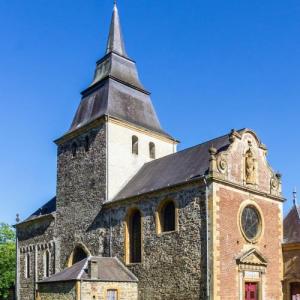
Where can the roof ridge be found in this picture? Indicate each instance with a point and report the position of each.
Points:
(186, 149)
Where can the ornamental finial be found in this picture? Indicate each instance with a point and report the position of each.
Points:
(295, 196)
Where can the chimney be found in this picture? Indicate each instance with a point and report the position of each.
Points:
(93, 268)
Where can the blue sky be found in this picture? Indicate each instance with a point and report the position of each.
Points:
(210, 65)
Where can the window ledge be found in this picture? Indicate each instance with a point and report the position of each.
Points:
(133, 263)
(166, 233)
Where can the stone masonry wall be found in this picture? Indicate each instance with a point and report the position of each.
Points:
(35, 238)
(173, 264)
(81, 190)
(57, 291)
(126, 290)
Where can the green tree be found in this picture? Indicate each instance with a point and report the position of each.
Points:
(7, 259)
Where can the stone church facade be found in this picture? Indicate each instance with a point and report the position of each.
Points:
(135, 219)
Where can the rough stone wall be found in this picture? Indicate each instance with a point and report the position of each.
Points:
(34, 239)
(291, 260)
(126, 290)
(230, 243)
(57, 291)
(81, 191)
(173, 264)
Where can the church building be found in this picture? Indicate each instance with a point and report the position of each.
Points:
(133, 218)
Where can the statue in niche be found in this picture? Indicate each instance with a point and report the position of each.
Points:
(250, 167)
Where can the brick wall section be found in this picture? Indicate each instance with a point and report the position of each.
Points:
(174, 264)
(231, 243)
(57, 291)
(81, 190)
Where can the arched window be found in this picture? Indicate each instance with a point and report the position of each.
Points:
(166, 217)
(27, 266)
(152, 150)
(74, 149)
(135, 145)
(78, 255)
(47, 264)
(134, 237)
(86, 144)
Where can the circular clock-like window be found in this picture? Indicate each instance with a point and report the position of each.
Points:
(251, 222)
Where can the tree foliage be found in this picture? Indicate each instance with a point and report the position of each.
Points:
(7, 259)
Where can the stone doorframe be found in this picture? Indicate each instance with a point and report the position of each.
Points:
(251, 268)
(287, 287)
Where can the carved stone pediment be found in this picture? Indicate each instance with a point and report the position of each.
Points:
(252, 257)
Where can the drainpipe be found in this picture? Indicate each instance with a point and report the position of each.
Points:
(110, 235)
(207, 239)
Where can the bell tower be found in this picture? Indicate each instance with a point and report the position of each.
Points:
(115, 131)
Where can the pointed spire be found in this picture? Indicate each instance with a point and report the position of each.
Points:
(115, 41)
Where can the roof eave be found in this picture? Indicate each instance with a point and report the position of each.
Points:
(36, 219)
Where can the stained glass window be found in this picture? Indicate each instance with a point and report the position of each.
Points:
(250, 222)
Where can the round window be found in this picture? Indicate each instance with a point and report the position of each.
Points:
(251, 222)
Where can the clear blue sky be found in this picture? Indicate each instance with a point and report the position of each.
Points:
(210, 65)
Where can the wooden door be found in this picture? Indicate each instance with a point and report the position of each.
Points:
(251, 291)
(295, 291)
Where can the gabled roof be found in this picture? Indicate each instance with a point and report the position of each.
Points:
(173, 169)
(291, 226)
(110, 269)
(252, 257)
(45, 210)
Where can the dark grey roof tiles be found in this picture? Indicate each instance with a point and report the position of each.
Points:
(291, 226)
(115, 41)
(116, 89)
(173, 169)
(110, 269)
(46, 209)
(115, 99)
(68, 274)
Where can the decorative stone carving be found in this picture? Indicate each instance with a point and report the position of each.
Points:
(274, 183)
(250, 167)
(252, 260)
(222, 164)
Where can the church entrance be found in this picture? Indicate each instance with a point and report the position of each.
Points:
(251, 291)
(295, 291)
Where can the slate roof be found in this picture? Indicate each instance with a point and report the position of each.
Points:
(173, 169)
(116, 89)
(291, 226)
(46, 209)
(110, 269)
